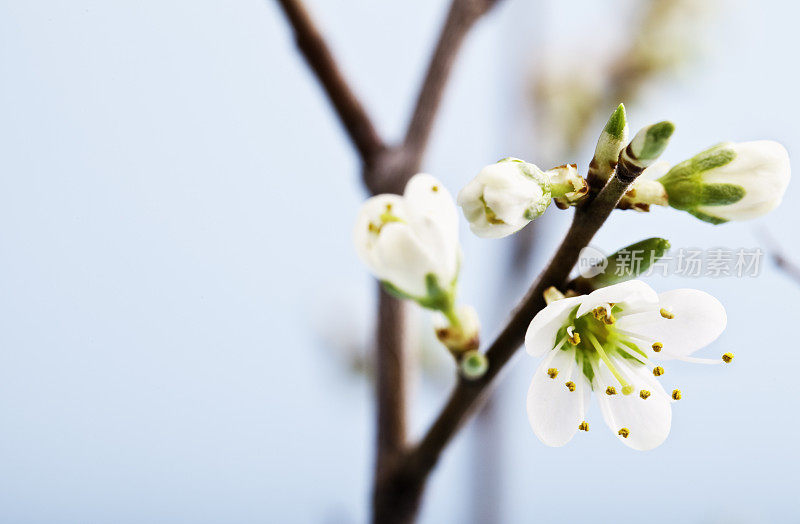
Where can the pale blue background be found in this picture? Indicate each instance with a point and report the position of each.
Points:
(175, 210)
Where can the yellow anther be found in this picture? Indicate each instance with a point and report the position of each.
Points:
(372, 228)
(627, 389)
(583, 426)
(553, 372)
(571, 385)
(657, 346)
(599, 312)
(573, 336)
(609, 319)
(658, 371)
(611, 391)
(644, 394)
(676, 394)
(435, 189)
(727, 357)
(624, 432)
(666, 314)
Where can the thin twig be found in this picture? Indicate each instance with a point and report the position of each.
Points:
(467, 395)
(320, 59)
(461, 17)
(387, 169)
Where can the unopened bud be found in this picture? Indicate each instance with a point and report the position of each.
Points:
(730, 181)
(566, 185)
(504, 197)
(474, 365)
(625, 264)
(649, 143)
(612, 140)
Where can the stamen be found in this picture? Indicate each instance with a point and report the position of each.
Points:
(607, 361)
(658, 371)
(666, 313)
(603, 314)
(553, 372)
(644, 394)
(676, 394)
(573, 336)
(435, 189)
(727, 357)
(583, 426)
(624, 432)
(571, 385)
(611, 391)
(657, 346)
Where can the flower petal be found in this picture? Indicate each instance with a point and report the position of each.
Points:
(647, 421)
(542, 331)
(364, 236)
(698, 319)
(401, 259)
(634, 293)
(762, 168)
(433, 216)
(554, 411)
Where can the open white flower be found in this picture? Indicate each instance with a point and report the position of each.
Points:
(730, 181)
(607, 342)
(504, 197)
(410, 242)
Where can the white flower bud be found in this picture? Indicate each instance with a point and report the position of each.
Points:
(504, 197)
(730, 181)
(474, 365)
(567, 187)
(410, 242)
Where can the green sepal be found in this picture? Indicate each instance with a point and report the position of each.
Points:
(686, 190)
(720, 194)
(396, 291)
(684, 182)
(437, 297)
(706, 217)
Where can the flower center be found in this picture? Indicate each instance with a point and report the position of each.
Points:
(596, 338)
(384, 218)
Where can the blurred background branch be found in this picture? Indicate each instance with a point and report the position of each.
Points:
(386, 170)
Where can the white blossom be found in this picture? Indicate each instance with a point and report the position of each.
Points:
(408, 240)
(730, 181)
(609, 342)
(504, 197)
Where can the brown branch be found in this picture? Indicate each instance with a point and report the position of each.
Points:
(351, 112)
(460, 18)
(467, 395)
(387, 170)
(390, 379)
